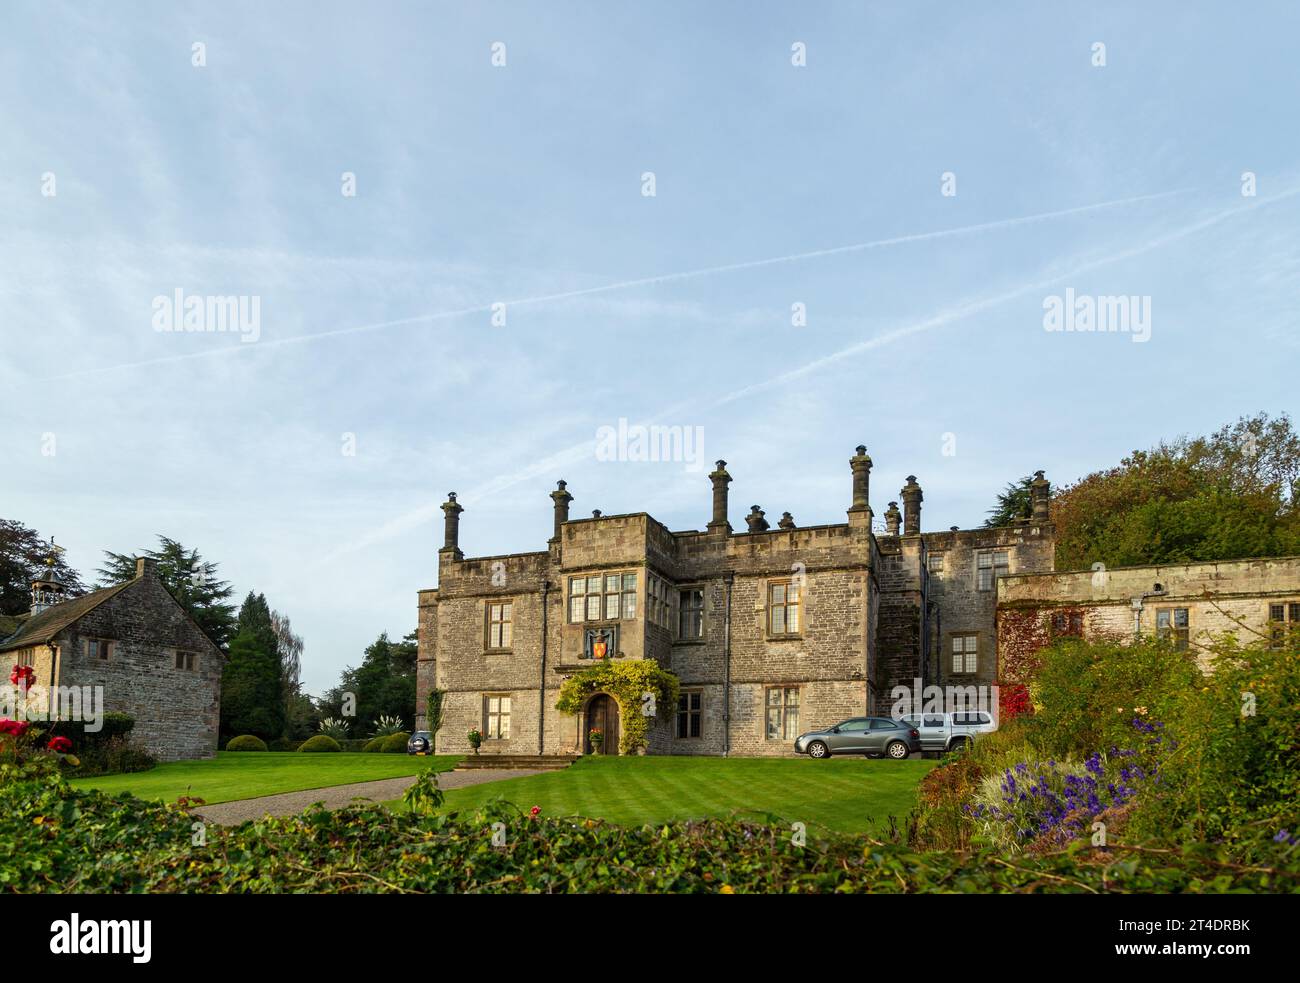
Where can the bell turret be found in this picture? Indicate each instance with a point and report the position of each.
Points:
(47, 588)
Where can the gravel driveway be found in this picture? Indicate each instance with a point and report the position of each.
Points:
(287, 803)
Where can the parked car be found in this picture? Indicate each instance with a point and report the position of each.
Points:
(945, 732)
(421, 743)
(861, 735)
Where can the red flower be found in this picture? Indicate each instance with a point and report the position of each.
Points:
(23, 676)
(16, 728)
(60, 744)
(535, 811)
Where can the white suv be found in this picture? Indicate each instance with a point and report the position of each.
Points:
(950, 731)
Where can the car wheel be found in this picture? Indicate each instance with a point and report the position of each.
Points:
(897, 750)
(959, 745)
(818, 750)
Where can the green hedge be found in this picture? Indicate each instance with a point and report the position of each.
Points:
(283, 744)
(113, 725)
(354, 744)
(320, 742)
(374, 745)
(395, 743)
(89, 842)
(246, 742)
(107, 751)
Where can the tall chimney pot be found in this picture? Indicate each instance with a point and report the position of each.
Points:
(911, 495)
(451, 529)
(720, 480)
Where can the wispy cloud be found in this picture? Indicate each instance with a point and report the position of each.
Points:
(959, 312)
(583, 292)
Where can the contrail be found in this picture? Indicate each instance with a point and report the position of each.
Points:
(966, 309)
(623, 285)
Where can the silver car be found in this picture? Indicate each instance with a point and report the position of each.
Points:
(872, 736)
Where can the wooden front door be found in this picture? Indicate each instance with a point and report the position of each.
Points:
(602, 715)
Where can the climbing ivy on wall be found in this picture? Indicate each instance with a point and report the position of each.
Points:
(626, 682)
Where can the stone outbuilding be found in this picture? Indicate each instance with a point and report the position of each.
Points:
(136, 649)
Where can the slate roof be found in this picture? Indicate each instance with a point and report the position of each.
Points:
(40, 628)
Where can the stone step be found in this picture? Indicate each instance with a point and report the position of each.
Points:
(542, 762)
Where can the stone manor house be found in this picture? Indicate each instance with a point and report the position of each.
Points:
(774, 631)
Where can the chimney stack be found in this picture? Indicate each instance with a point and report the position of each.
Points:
(1040, 495)
(787, 521)
(562, 498)
(451, 536)
(861, 465)
(911, 495)
(892, 518)
(145, 566)
(720, 479)
(755, 520)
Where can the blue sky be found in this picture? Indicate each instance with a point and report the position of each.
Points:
(478, 184)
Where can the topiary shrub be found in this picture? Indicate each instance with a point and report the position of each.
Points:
(395, 743)
(246, 742)
(320, 742)
(374, 745)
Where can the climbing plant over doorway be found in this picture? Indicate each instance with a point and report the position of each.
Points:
(626, 682)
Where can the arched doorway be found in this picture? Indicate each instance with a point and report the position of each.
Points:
(602, 715)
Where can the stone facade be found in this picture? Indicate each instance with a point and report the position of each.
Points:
(174, 698)
(1248, 598)
(771, 631)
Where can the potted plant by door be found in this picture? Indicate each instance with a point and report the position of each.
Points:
(597, 740)
(475, 739)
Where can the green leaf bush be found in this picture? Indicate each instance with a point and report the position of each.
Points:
(246, 742)
(395, 743)
(89, 842)
(319, 743)
(1196, 757)
(374, 745)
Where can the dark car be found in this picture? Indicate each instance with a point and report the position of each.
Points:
(421, 743)
(871, 736)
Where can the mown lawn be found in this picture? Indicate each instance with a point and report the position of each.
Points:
(851, 795)
(244, 775)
